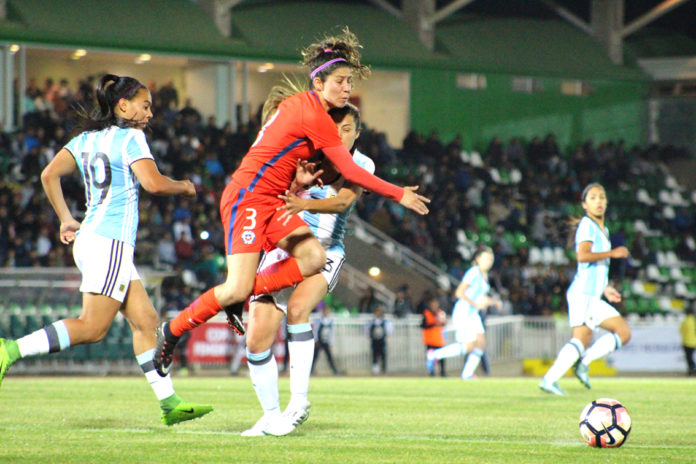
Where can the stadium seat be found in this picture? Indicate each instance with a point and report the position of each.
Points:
(547, 256)
(559, 257)
(464, 156)
(476, 160)
(534, 255)
(642, 196)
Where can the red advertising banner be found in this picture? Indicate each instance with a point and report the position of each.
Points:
(212, 343)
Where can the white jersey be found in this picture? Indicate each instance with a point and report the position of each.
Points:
(591, 278)
(111, 189)
(330, 228)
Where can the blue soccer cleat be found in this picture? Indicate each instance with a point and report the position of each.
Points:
(551, 387)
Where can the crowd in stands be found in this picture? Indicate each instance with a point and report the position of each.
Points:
(514, 196)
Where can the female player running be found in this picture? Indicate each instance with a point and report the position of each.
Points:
(326, 209)
(471, 297)
(249, 204)
(586, 309)
(112, 157)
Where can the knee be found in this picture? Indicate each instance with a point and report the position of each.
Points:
(256, 344)
(624, 334)
(297, 314)
(312, 260)
(230, 293)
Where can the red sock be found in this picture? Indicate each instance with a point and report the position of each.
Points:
(202, 309)
(278, 276)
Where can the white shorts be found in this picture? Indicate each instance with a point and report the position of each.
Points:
(468, 330)
(588, 310)
(330, 271)
(106, 265)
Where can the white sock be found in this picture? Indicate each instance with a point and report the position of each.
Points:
(603, 346)
(570, 353)
(263, 371)
(449, 351)
(50, 339)
(472, 363)
(301, 352)
(162, 386)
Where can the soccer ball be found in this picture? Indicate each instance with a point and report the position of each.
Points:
(605, 423)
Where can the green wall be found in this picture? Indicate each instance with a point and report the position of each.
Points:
(613, 110)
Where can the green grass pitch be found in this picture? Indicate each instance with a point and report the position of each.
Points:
(353, 420)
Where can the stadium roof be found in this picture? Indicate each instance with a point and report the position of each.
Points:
(463, 42)
(165, 26)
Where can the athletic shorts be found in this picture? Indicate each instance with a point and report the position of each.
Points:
(330, 271)
(471, 327)
(588, 310)
(106, 265)
(251, 220)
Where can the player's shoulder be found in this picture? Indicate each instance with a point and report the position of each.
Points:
(364, 161)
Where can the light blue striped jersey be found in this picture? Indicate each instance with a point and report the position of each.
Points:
(591, 278)
(331, 228)
(477, 287)
(111, 189)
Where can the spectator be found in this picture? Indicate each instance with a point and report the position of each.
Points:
(402, 303)
(378, 329)
(325, 337)
(688, 335)
(434, 319)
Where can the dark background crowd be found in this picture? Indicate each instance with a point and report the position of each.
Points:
(514, 196)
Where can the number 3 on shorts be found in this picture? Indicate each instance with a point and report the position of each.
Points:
(251, 217)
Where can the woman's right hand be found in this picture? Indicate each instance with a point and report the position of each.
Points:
(413, 201)
(68, 231)
(619, 252)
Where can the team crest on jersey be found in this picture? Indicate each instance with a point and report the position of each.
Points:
(248, 237)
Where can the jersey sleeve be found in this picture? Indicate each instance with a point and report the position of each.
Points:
(136, 147)
(469, 276)
(340, 157)
(72, 147)
(584, 232)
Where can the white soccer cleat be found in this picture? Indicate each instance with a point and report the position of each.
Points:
(293, 416)
(257, 429)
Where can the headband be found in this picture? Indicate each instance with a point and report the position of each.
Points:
(335, 60)
(137, 85)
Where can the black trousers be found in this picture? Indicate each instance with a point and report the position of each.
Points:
(379, 354)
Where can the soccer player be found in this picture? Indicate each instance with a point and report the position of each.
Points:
(472, 296)
(325, 208)
(113, 158)
(250, 202)
(586, 309)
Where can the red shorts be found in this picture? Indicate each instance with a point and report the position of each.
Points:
(250, 220)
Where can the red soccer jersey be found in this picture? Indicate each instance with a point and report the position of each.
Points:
(299, 128)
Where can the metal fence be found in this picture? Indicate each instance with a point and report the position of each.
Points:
(508, 339)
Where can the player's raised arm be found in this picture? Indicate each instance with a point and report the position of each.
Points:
(407, 197)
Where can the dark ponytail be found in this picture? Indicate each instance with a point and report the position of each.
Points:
(110, 89)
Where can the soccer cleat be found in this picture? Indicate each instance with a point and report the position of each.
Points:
(430, 361)
(582, 373)
(551, 387)
(5, 359)
(471, 377)
(234, 317)
(257, 429)
(184, 412)
(164, 349)
(289, 420)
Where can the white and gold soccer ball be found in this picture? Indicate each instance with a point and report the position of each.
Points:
(605, 423)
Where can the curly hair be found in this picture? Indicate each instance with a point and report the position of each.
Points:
(342, 50)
